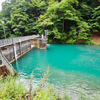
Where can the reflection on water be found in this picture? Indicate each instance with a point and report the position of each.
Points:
(72, 67)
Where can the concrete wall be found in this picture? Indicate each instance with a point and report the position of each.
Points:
(21, 47)
(8, 52)
(26, 45)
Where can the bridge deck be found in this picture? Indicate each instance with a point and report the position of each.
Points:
(5, 42)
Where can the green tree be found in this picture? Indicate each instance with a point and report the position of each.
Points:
(95, 21)
(63, 21)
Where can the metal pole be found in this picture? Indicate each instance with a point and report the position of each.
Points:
(4, 31)
(46, 33)
(4, 28)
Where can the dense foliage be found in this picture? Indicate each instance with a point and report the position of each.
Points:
(67, 21)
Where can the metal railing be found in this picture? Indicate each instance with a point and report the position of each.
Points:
(7, 63)
(5, 41)
(15, 40)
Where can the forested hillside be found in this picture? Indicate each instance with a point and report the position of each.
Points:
(67, 21)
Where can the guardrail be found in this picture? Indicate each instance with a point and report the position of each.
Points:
(15, 40)
(7, 63)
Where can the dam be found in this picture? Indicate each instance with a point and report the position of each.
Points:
(14, 48)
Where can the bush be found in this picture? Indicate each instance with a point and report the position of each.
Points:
(92, 42)
(71, 40)
(12, 89)
(50, 41)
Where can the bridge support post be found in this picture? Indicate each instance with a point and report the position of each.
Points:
(20, 46)
(14, 48)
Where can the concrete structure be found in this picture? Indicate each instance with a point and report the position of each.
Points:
(5, 66)
(14, 48)
(42, 43)
(3, 70)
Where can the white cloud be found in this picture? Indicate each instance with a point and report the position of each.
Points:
(1, 3)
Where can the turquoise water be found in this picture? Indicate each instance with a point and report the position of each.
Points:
(72, 67)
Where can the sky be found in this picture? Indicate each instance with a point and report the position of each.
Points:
(1, 3)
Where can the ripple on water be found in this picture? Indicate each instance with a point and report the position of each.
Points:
(72, 67)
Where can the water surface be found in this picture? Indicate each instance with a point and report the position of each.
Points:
(73, 67)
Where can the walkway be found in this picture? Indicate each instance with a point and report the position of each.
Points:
(5, 42)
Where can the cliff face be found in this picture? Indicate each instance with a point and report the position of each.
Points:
(96, 37)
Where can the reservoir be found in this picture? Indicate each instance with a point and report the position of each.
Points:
(71, 67)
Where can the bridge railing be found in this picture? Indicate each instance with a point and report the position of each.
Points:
(10, 41)
(5, 41)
